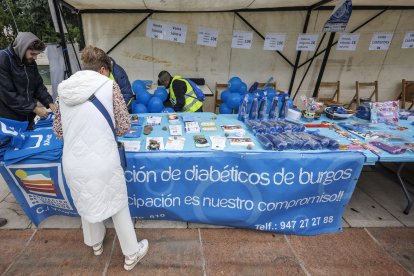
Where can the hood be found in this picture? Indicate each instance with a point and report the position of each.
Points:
(80, 86)
(22, 42)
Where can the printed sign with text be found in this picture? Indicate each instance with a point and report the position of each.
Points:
(348, 42)
(381, 41)
(207, 37)
(242, 40)
(166, 31)
(274, 42)
(408, 42)
(306, 42)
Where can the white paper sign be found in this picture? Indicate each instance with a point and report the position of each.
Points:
(166, 31)
(408, 40)
(274, 42)
(242, 40)
(207, 37)
(381, 41)
(306, 42)
(347, 42)
(156, 29)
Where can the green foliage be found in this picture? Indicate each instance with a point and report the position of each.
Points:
(32, 16)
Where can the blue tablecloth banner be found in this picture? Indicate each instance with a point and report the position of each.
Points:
(294, 193)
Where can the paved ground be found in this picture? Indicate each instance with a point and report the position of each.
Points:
(378, 239)
(356, 251)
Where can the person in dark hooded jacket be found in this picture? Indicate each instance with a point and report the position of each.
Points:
(121, 78)
(21, 86)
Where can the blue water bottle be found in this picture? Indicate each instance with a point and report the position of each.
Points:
(254, 109)
(243, 109)
(263, 109)
(274, 112)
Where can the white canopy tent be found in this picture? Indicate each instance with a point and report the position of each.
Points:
(217, 5)
(119, 28)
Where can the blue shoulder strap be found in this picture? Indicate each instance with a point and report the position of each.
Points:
(93, 99)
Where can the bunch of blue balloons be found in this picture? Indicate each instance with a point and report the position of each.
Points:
(231, 97)
(146, 102)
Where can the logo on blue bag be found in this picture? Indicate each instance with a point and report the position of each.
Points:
(41, 184)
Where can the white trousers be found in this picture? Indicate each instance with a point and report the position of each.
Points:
(94, 233)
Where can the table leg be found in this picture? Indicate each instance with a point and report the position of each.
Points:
(406, 192)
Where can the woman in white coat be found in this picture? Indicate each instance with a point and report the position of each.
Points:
(90, 160)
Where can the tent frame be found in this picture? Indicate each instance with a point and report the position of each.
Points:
(318, 6)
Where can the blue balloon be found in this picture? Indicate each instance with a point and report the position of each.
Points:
(138, 85)
(224, 109)
(168, 110)
(161, 93)
(234, 100)
(155, 105)
(243, 88)
(234, 84)
(224, 95)
(138, 108)
(143, 97)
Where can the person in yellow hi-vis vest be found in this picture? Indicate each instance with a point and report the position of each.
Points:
(181, 94)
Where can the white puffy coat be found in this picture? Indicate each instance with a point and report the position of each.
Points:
(90, 159)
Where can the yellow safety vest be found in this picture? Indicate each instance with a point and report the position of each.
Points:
(192, 104)
(111, 77)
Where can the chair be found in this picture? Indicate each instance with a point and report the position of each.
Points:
(407, 93)
(217, 101)
(357, 95)
(334, 99)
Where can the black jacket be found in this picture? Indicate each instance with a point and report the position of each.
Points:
(21, 86)
(180, 89)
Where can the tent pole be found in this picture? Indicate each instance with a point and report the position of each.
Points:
(295, 68)
(325, 60)
(82, 35)
(130, 32)
(62, 39)
(353, 31)
(259, 34)
(309, 66)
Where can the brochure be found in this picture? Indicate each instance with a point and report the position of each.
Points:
(208, 126)
(154, 143)
(173, 118)
(132, 145)
(176, 130)
(240, 141)
(200, 141)
(192, 127)
(175, 143)
(136, 120)
(134, 132)
(218, 142)
(233, 129)
(154, 120)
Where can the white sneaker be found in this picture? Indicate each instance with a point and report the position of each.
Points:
(132, 260)
(98, 249)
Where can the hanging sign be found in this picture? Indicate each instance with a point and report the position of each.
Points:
(339, 17)
(242, 40)
(207, 37)
(166, 31)
(408, 40)
(381, 41)
(348, 42)
(306, 42)
(274, 42)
